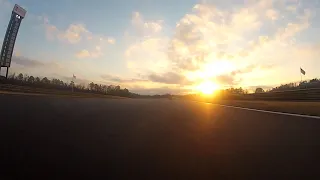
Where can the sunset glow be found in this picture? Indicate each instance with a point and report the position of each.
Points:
(196, 45)
(207, 87)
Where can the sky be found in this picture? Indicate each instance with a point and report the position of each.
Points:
(168, 46)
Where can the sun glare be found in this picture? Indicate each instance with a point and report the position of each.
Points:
(207, 87)
(210, 70)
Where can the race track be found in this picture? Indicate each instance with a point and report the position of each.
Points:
(152, 139)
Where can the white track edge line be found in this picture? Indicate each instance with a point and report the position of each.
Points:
(271, 112)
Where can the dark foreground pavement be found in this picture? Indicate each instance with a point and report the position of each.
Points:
(57, 138)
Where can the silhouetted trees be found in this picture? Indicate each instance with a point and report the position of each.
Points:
(259, 90)
(236, 91)
(32, 81)
(313, 83)
(25, 80)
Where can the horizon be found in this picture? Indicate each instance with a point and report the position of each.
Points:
(150, 47)
(85, 86)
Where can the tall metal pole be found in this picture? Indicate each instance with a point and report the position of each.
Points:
(18, 13)
(73, 79)
(7, 73)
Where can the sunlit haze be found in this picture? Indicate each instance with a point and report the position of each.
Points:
(169, 46)
(207, 87)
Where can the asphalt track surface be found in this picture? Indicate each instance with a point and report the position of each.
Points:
(63, 138)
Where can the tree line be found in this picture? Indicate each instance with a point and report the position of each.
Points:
(33, 81)
(313, 83)
(307, 84)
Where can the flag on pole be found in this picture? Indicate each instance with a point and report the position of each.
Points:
(302, 71)
(74, 76)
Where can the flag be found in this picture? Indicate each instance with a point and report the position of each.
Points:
(302, 71)
(74, 76)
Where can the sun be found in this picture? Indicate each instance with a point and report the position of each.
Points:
(207, 87)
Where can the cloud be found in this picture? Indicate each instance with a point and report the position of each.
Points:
(83, 54)
(168, 78)
(21, 64)
(111, 40)
(250, 37)
(246, 69)
(51, 32)
(226, 80)
(143, 27)
(151, 84)
(247, 37)
(95, 53)
(160, 90)
(291, 8)
(77, 33)
(234, 78)
(292, 28)
(207, 29)
(111, 78)
(78, 80)
(147, 55)
(147, 46)
(26, 62)
(74, 33)
(272, 14)
(116, 79)
(199, 36)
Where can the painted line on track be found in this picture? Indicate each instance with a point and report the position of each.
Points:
(270, 112)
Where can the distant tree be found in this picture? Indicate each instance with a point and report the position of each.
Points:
(55, 83)
(80, 86)
(20, 77)
(240, 91)
(91, 86)
(259, 90)
(12, 76)
(314, 80)
(126, 91)
(235, 91)
(45, 80)
(104, 89)
(71, 84)
(96, 87)
(109, 89)
(37, 80)
(31, 79)
(25, 78)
